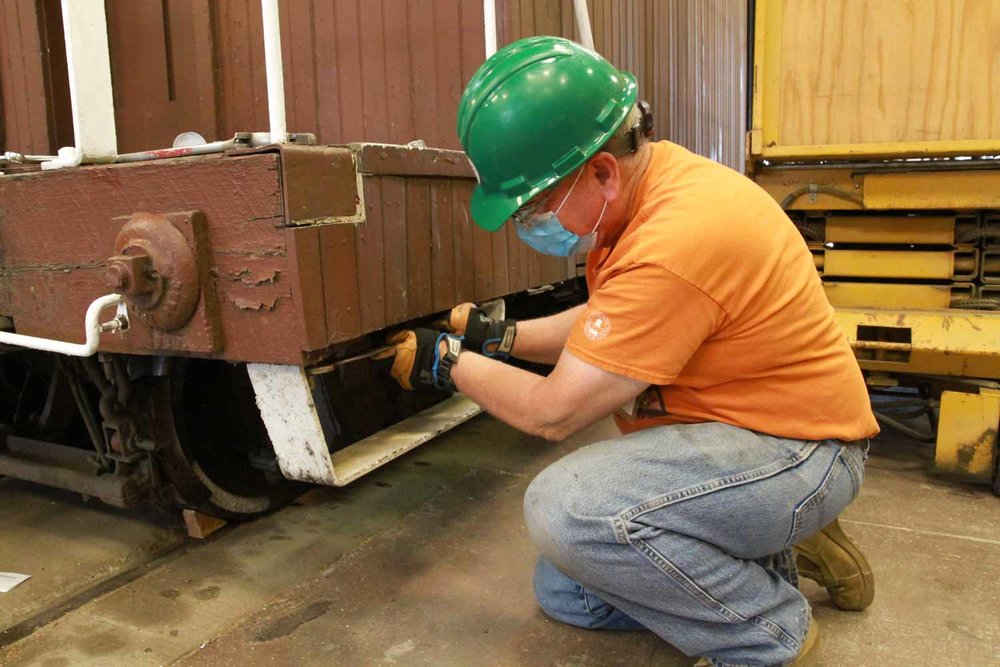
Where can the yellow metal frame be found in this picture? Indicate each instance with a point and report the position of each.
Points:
(894, 295)
(971, 189)
(956, 343)
(764, 142)
(967, 433)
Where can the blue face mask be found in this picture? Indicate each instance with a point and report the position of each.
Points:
(544, 232)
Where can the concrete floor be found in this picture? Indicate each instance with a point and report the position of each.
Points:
(427, 562)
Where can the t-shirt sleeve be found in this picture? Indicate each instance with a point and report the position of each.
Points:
(645, 323)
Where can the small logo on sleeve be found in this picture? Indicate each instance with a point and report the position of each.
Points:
(597, 327)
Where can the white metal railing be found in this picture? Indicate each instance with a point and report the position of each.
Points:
(92, 326)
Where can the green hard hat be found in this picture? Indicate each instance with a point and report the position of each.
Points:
(535, 111)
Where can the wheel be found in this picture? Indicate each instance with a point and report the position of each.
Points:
(214, 447)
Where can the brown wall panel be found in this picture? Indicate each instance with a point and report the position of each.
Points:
(355, 70)
(27, 122)
(689, 57)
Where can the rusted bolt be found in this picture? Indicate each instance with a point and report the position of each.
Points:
(117, 277)
(129, 275)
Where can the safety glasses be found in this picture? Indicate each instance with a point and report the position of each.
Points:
(522, 215)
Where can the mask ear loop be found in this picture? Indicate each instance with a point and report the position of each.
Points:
(600, 217)
(566, 198)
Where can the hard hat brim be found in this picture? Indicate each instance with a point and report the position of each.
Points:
(490, 211)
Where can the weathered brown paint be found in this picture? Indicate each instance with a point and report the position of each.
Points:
(320, 184)
(389, 160)
(58, 228)
(338, 247)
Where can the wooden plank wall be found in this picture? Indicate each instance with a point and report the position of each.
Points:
(860, 71)
(33, 120)
(688, 56)
(355, 70)
(161, 62)
(705, 72)
(359, 70)
(419, 252)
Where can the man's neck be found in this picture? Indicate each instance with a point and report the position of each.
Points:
(620, 211)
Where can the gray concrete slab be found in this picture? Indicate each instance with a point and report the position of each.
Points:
(427, 562)
(68, 545)
(190, 599)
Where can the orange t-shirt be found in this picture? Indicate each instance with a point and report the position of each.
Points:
(711, 295)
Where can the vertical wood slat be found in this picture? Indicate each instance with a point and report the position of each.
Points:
(23, 93)
(341, 276)
(444, 237)
(419, 248)
(299, 47)
(371, 266)
(394, 245)
(307, 293)
(465, 269)
(399, 99)
(328, 61)
(240, 52)
(421, 37)
(349, 78)
(137, 45)
(482, 253)
(374, 97)
(516, 278)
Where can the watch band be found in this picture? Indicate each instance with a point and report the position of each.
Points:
(444, 364)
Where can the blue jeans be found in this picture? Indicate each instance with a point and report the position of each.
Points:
(687, 531)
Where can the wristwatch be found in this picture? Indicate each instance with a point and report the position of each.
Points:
(443, 364)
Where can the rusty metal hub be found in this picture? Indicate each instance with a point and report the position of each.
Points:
(155, 268)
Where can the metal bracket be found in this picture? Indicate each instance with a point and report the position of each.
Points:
(89, 64)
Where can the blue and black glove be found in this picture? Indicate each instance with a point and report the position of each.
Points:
(492, 338)
(421, 359)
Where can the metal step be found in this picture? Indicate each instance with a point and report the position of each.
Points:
(288, 409)
(365, 455)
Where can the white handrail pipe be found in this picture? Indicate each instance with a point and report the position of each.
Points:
(275, 71)
(490, 26)
(92, 326)
(583, 23)
(88, 62)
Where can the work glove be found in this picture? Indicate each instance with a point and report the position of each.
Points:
(416, 357)
(491, 338)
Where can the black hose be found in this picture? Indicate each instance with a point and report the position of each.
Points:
(821, 189)
(904, 429)
(982, 303)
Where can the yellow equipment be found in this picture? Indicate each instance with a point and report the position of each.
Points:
(873, 124)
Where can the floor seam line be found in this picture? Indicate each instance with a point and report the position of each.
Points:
(920, 531)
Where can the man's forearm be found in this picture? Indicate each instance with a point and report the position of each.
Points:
(511, 395)
(542, 340)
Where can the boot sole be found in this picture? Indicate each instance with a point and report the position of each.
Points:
(867, 576)
(805, 566)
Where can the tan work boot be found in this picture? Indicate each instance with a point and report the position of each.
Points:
(834, 561)
(807, 654)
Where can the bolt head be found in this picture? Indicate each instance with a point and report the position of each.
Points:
(117, 276)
